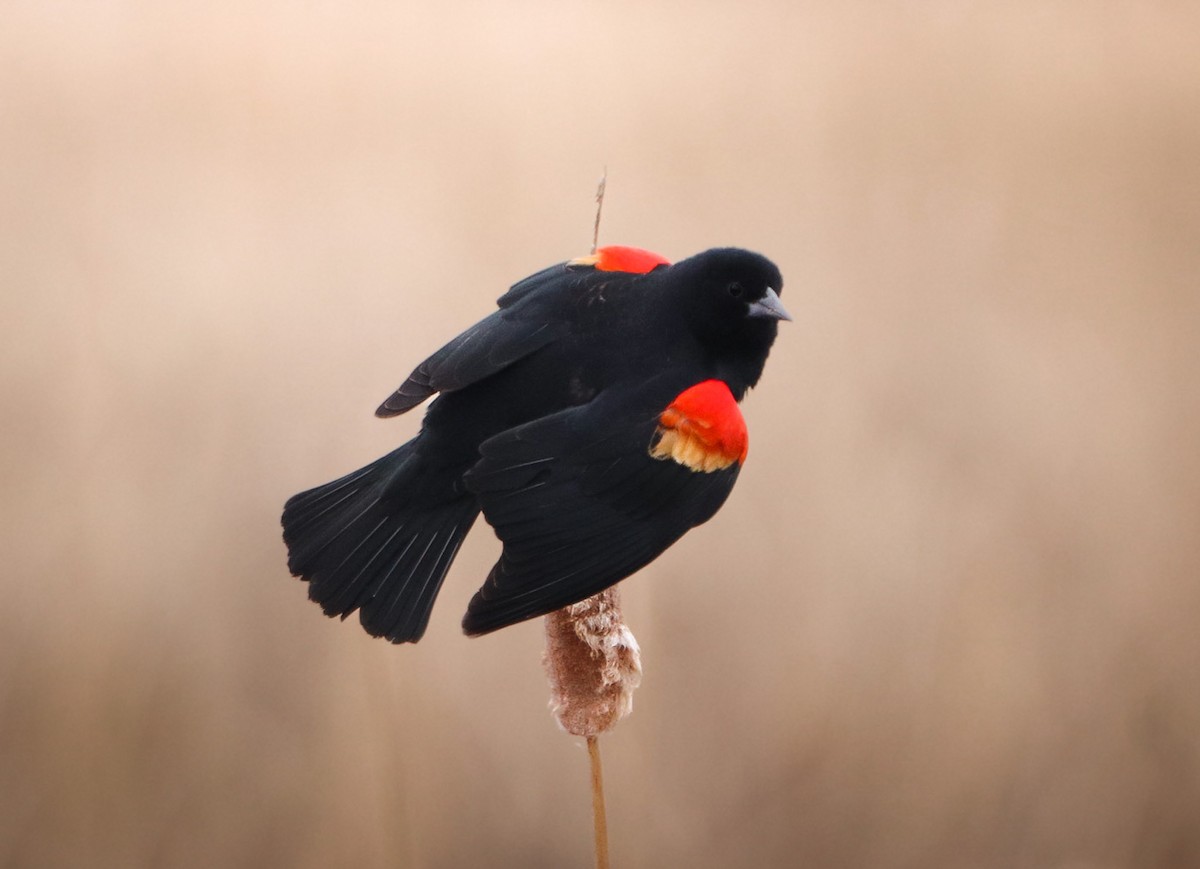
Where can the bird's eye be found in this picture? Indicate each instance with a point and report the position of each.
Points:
(736, 290)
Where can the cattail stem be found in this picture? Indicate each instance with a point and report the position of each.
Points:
(594, 666)
(599, 209)
(599, 817)
(593, 663)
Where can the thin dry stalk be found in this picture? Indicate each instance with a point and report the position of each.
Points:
(599, 208)
(599, 817)
(593, 662)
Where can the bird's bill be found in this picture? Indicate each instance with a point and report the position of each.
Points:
(769, 307)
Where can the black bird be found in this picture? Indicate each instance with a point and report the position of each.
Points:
(593, 420)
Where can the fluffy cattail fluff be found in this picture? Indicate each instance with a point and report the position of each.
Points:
(594, 664)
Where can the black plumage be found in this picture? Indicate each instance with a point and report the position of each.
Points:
(547, 413)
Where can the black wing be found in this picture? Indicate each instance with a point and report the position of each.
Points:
(531, 316)
(580, 504)
(488, 347)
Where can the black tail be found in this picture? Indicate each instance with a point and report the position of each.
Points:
(379, 540)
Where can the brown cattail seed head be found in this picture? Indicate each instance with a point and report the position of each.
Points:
(594, 664)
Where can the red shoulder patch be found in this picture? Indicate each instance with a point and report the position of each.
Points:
(702, 429)
(617, 258)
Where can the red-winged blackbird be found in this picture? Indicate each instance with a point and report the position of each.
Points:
(593, 419)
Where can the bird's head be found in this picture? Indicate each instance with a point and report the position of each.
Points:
(731, 301)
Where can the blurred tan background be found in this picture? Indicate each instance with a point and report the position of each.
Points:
(948, 618)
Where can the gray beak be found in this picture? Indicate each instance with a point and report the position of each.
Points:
(769, 307)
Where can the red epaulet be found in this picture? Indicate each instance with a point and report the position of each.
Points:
(702, 429)
(617, 258)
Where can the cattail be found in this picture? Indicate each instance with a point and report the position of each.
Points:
(594, 665)
(593, 662)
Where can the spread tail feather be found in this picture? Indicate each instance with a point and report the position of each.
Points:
(378, 540)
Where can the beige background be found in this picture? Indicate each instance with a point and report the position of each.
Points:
(948, 618)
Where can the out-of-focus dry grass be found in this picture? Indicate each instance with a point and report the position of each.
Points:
(949, 616)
